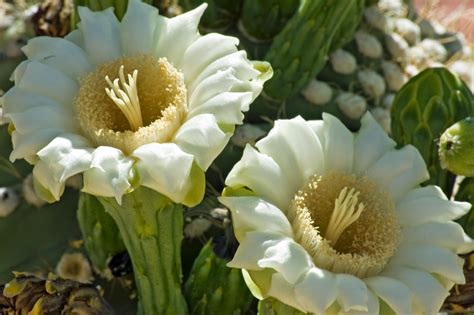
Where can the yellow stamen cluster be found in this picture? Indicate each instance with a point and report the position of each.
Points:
(347, 224)
(147, 102)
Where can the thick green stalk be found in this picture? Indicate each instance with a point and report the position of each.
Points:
(151, 226)
(299, 51)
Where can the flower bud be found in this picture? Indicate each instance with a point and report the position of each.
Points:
(352, 105)
(433, 49)
(396, 45)
(393, 75)
(372, 83)
(29, 193)
(317, 92)
(456, 148)
(368, 45)
(343, 62)
(409, 30)
(376, 19)
(382, 116)
(246, 133)
(9, 201)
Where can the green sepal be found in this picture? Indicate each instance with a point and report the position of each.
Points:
(423, 109)
(272, 306)
(196, 186)
(213, 288)
(237, 192)
(100, 233)
(44, 192)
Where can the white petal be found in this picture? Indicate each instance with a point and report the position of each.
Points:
(284, 291)
(263, 175)
(371, 142)
(101, 35)
(44, 117)
(209, 48)
(46, 81)
(18, 100)
(397, 295)
(317, 290)
(296, 149)
(60, 54)
(226, 107)
(431, 259)
(25, 146)
(76, 37)
(352, 293)
(109, 174)
(165, 168)
(241, 67)
(137, 29)
(178, 34)
(428, 293)
(372, 305)
(42, 173)
(19, 71)
(66, 156)
(429, 204)
(399, 171)
(449, 235)
(259, 250)
(254, 214)
(338, 145)
(202, 137)
(218, 83)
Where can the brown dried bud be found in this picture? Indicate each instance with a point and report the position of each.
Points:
(28, 294)
(53, 18)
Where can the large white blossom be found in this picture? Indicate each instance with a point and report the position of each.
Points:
(144, 101)
(331, 222)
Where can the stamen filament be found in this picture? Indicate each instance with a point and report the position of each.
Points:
(344, 214)
(126, 97)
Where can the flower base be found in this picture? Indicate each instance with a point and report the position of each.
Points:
(151, 226)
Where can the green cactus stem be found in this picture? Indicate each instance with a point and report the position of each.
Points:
(101, 236)
(262, 20)
(219, 15)
(299, 52)
(151, 226)
(422, 110)
(214, 289)
(456, 148)
(466, 193)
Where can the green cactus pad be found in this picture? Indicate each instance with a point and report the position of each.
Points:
(212, 288)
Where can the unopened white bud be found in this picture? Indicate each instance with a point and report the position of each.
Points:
(343, 62)
(416, 56)
(246, 133)
(317, 92)
(394, 8)
(382, 116)
(196, 227)
(411, 70)
(393, 75)
(434, 49)
(29, 193)
(408, 29)
(368, 45)
(220, 213)
(352, 105)
(372, 83)
(397, 46)
(465, 70)
(387, 100)
(376, 18)
(9, 201)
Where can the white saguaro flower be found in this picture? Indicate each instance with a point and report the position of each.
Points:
(145, 101)
(333, 222)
